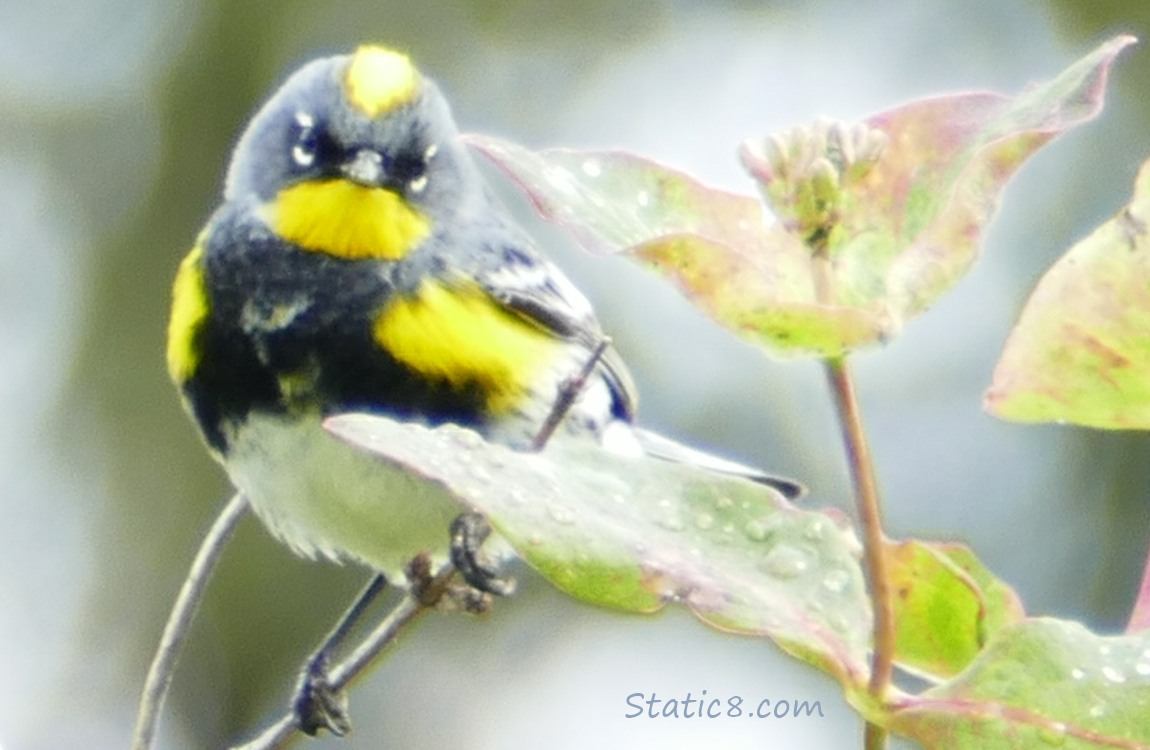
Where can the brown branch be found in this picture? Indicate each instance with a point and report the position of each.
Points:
(870, 516)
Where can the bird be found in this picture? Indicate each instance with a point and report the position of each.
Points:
(359, 262)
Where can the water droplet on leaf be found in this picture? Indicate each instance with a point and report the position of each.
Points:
(836, 581)
(1113, 675)
(816, 531)
(559, 178)
(786, 561)
(561, 514)
(1054, 734)
(467, 439)
(756, 531)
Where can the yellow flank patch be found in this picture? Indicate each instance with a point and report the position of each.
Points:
(347, 220)
(379, 80)
(462, 336)
(189, 308)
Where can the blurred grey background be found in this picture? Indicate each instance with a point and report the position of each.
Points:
(116, 118)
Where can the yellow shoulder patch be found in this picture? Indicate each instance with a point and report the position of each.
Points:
(189, 308)
(379, 80)
(349, 221)
(462, 336)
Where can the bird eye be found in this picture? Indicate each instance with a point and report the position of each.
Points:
(418, 176)
(306, 143)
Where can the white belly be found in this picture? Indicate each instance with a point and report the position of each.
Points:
(324, 498)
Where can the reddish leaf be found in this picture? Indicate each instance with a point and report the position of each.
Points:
(901, 229)
(1081, 350)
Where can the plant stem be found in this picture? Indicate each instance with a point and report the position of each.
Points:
(866, 496)
(870, 516)
(874, 737)
(180, 621)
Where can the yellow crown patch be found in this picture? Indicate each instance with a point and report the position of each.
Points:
(379, 80)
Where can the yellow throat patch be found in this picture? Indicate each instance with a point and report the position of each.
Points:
(347, 220)
(379, 80)
(462, 336)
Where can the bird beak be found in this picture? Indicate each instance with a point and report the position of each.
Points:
(365, 168)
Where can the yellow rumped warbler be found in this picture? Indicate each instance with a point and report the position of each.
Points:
(359, 263)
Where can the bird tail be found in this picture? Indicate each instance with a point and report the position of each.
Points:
(670, 450)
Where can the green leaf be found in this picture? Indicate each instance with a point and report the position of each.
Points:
(1039, 683)
(905, 228)
(1081, 350)
(947, 605)
(637, 533)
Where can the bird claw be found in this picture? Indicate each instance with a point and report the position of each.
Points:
(468, 532)
(318, 705)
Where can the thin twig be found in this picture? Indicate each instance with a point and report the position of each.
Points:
(568, 392)
(866, 495)
(414, 603)
(179, 622)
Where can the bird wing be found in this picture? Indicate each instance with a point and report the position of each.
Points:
(538, 291)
